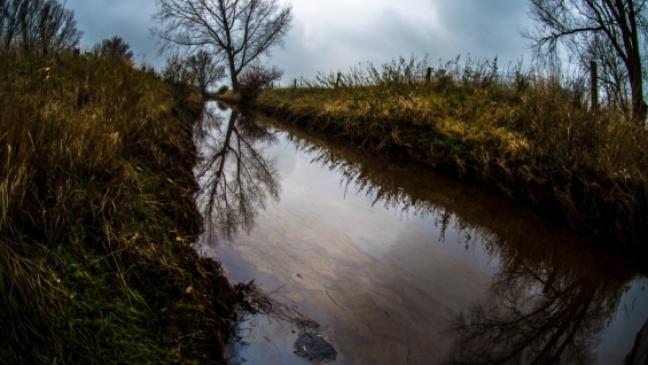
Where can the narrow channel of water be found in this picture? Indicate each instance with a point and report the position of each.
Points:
(400, 265)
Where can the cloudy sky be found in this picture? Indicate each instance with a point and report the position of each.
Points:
(328, 35)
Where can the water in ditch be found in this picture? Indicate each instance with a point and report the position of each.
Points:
(371, 260)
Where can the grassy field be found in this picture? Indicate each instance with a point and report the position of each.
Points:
(529, 137)
(97, 218)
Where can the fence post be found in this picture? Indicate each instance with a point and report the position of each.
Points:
(295, 84)
(594, 84)
(337, 81)
(428, 76)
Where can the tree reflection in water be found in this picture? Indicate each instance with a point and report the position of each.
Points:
(548, 302)
(552, 295)
(546, 306)
(235, 178)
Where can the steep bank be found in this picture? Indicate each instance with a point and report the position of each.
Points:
(535, 141)
(97, 218)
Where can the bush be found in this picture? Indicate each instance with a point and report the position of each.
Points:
(114, 48)
(255, 79)
(222, 90)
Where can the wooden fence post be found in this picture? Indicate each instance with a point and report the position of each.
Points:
(594, 84)
(339, 78)
(428, 76)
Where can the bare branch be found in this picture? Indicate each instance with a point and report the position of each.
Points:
(607, 31)
(37, 24)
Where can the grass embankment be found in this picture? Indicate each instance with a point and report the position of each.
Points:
(529, 137)
(97, 218)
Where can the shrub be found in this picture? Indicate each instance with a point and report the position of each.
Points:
(255, 79)
(222, 90)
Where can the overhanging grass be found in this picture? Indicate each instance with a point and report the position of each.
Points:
(97, 216)
(529, 137)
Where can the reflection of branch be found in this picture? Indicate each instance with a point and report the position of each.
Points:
(235, 176)
(384, 186)
(547, 314)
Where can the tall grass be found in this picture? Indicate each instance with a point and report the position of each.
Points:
(530, 135)
(97, 216)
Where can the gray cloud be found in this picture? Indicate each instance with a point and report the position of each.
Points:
(335, 34)
(486, 28)
(129, 19)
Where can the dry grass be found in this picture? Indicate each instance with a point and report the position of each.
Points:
(531, 137)
(97, 216)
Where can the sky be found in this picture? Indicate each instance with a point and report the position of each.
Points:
(331, 35)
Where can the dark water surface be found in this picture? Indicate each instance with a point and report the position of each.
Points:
(400, 265)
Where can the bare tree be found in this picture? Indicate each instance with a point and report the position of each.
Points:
(37, 24)
(609, 31)
(115, 48)
(238, 30)
(205, 70)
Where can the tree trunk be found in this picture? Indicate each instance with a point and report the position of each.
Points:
(235, 82)
(233, 73)
(639, 108)
(594, 85)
